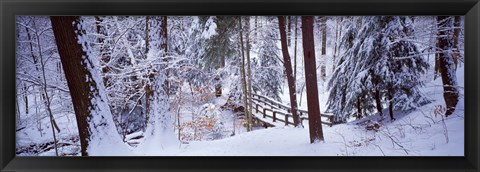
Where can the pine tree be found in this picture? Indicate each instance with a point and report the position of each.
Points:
(379, 63)
(267, 70)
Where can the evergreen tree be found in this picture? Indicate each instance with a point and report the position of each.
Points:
(379, 62)
(267, 72)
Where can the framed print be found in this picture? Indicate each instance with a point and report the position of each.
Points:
(235, 86)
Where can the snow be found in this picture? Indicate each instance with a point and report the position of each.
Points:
(104, 139)
(211, 28)
(423, 131)
(419, 133)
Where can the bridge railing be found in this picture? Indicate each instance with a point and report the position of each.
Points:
(276, 109)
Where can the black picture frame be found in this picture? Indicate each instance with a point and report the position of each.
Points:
(10, 8)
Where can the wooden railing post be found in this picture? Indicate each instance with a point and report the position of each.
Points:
(286, 119)
(264, 112)
(256, 108)
(274, 116)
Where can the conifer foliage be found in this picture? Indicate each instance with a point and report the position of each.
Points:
(380, 65)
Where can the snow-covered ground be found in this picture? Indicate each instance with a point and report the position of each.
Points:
(416, 133)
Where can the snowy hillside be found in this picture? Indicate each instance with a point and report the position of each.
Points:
(419, 133)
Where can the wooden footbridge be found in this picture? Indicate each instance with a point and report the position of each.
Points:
(273, 113)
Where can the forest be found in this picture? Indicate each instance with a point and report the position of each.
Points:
(240, 86)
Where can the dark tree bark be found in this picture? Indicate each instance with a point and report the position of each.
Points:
(314, 119)
(378, 102)
(289, 30)
(70, 54)
(147, 39)
(437, 65)
(244, 81)
(390, 103)
(25, 89)
(164, 46)
(359, 108)
(164, 35)
(83, 87)
(376, 93)
(295, 53)
(337, 34)
(288, 70)
(30, 41)
(456, 34)
(249, 71)
(256, 31)
(323, 24)
(446, 62)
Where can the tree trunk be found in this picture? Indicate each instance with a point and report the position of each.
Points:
(218, 86)
(148, 96)
(249, 75)
(378, 102)
(25, 89)
(314, 119)
(94, 119)
(30, 41)
(323, 25)
(44, 94)
(376, 93)
(289, 30)
(164, 35)
(295, 54)
(147, 39)
(390, 103)
(164, 47)
(256, 31)
(446, 63)
(44, 86)
(359, 108)
(337, 35)
(244, 82)
(48, 104)
(288, 70)
(456, 34)
(437, 65)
